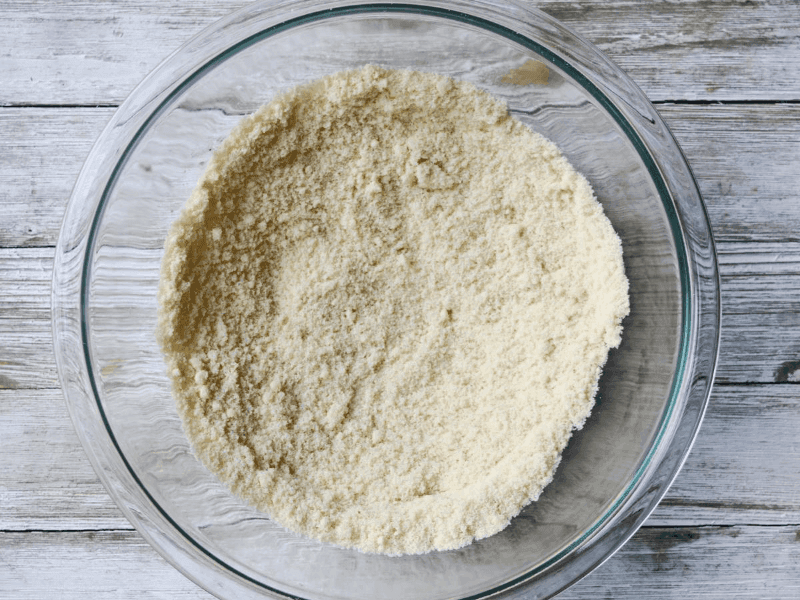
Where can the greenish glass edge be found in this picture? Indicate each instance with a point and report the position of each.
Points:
(555, 59)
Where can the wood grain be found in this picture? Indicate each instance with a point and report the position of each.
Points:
(760, 287)
(26, 342)
(760, 315)
(96, 52)
(80, 565)
(48, 484)
(744, 464)
(47, 481)
(744, 157)
(712, 563)
(730, 525)
(41, 154)
(747, 562)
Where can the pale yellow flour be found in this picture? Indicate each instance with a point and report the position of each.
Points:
(385, 309)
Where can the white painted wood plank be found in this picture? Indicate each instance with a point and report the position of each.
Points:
(745, 161)
(764, 258)
(102, 565)
(93, 52)
(753, 481)
(752, 563)
(696, 49)
(41, 153)
(761, 346)
(96, 52)
(744, 157)
(712, 563)
(745, 463)
(743, 468)
(26, 346)
(760, 315)
(46, 481)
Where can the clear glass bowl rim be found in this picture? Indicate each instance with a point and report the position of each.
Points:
(689, 223)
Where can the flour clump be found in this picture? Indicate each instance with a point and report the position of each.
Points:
(385, 308)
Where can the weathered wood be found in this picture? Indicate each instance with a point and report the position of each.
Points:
(93, 52)
(764, 258)
(41, 154)
(745, 462)
(96, 52)
(79, 565)
(752, 481)
(26, 341)
(760, 288)
(47, 481)
(744, 157)
(760, 315)
(696, 49)
(742, 470)
(745, 161)
(712, 563)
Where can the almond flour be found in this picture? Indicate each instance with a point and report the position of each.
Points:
(385, 308)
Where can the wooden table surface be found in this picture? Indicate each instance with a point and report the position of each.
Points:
(724, 74)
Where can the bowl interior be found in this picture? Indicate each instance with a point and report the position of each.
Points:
(158, 173)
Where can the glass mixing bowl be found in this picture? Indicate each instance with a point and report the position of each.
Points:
(654, 388)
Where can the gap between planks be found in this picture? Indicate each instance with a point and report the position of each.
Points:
(743, 156)
(50, 485)
(656, 103)
(693, 49)
(643, 527)
(712, 563)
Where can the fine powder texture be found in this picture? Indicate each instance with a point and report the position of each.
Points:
(385, 308)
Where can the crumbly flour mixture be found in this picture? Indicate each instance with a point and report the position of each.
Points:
(385, 308)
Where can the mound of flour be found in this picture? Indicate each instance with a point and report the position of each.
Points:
(385, 308)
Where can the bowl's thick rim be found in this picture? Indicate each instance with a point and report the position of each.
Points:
(611, 88)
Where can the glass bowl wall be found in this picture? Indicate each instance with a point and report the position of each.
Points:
(147, 161)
